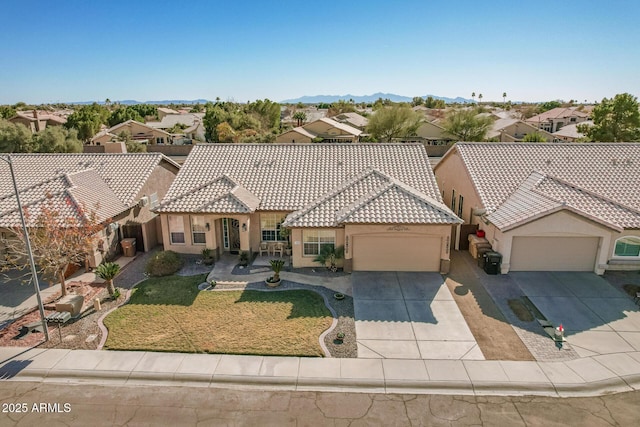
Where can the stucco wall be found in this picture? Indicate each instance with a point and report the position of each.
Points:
(291, 137)
(451, 174)
(562, 223)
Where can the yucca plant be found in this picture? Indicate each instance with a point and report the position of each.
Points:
(107, 271)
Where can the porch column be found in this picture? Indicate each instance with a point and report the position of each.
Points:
(245, 228)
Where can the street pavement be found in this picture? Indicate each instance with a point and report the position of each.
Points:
(86, 404)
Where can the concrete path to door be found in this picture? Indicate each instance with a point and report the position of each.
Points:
(409, 315)
(598, 319)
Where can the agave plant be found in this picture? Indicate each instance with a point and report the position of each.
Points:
(107, 271)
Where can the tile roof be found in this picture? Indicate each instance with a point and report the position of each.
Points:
(317, 180)
(541, 194)
(114, 129)
(557, 113)
(571, 130)
(341, 126)
(171, 120)
(591, 173)
(69, 181)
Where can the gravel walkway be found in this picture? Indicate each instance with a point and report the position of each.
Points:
(133, 272)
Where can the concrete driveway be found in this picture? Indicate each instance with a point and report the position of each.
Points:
(598, 319)
(406, 315)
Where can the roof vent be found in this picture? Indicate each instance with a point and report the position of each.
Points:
(628, 161)
(548, 162)
(340, 163)
(614, 161)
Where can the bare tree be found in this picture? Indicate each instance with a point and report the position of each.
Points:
(56, 240)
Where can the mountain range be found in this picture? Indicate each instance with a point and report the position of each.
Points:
(317, 99)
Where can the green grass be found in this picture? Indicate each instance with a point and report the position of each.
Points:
(170, 314)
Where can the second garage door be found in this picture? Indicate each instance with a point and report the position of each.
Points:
(396, 253)
(553, 253)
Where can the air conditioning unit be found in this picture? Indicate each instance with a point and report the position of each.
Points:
(144, 201)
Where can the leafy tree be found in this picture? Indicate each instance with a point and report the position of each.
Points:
(466, 125)
(440, 104)
(417, 100)
(225, 132)
(614, 120)
(87, 120)
(394, 122)
(7, 111)
(54, 246)
(300, 117)
(197, 108)
(15, 138)
(430, 102)
(549, 105)
(534, 137)
(177, 128)
(341, 107)
(56, 139)
(145, 110)
(123, 114)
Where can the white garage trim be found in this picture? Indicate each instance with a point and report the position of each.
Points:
(537, 253)
(393, 252)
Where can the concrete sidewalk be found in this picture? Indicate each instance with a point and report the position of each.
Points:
(589, 376)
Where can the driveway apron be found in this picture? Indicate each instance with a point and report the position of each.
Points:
(409, 315)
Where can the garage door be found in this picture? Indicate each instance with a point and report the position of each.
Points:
(553, 253)
(396, 253)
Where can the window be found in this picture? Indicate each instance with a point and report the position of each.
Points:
(153, 200)
(314, 240)
(453, 200)
(460, 201)
(198, 230)
(628, 246)
(176, 229)
(270, 226)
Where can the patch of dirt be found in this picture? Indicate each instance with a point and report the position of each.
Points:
(74, 333)
(493, 333)
(520, 310)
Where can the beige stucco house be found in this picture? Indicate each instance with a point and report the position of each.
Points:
(514, 130)
(138, 131)
(556, 207)
(37, 121)
(429, 133)
(121, 189)
(553, 120)
(379, 201)
(328, 130)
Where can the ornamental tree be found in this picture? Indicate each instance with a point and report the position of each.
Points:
(57, 240)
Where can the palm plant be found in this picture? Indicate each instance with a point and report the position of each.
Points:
(329, 255)
(473, 96)
(107, 271)
(504, 97)
(276, 266)
(479, 98)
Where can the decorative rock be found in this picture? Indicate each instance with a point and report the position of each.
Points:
(71, 304)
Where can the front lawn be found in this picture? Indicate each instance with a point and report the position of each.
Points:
(171, 314)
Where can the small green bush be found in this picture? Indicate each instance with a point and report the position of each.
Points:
(164, 263)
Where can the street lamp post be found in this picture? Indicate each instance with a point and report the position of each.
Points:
(34, 273)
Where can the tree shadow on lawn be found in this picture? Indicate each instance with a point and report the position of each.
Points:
(168, 290)
(304, 303)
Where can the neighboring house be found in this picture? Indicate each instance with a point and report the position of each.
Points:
(193, 122)
(379, 201)
(514, 130)
(570, 133)
(352, 119)
(429, 133)
(163, 111)
(36, 120)
(553, 120)
(121, 188)
(562, 207)
(138, 131)
(312, 113)
(326, 129)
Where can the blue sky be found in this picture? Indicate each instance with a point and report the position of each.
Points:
(244, 50)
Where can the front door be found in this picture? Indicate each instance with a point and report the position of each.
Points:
(231, 235)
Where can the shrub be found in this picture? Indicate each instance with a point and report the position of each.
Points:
(163, 264)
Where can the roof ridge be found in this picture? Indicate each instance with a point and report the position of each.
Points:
(198, 188)
(589, 192)
(335, 191)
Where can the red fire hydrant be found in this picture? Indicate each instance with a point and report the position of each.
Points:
(559, 333)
